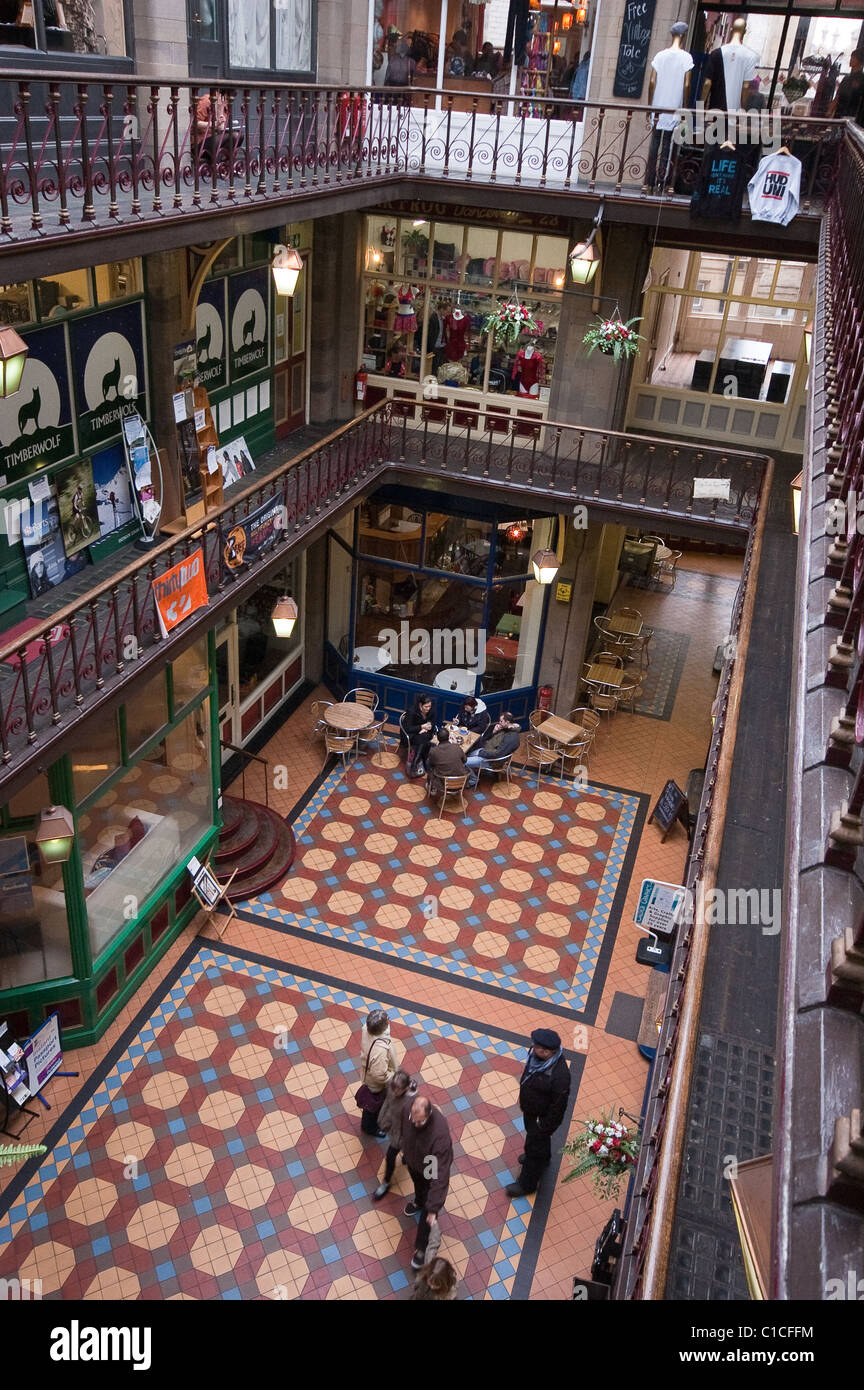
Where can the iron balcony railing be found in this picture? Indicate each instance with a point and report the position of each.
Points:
(82, 153)
(61, 670)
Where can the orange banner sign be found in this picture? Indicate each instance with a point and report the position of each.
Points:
(180, 591)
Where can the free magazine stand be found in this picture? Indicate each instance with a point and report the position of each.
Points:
(211, 894)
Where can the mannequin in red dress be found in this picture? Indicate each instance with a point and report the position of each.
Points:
(529, 370)
(457, 326)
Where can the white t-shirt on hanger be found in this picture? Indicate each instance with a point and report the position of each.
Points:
(671, 66)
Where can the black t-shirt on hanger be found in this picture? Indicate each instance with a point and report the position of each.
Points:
(719, 189)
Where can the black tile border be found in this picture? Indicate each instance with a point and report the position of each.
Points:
(529, 1254)
(598, 980)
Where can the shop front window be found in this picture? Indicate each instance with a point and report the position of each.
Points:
(34, 929)
(515, 613)
(513, 548)
(92, 27)
(191, 673)
(146, 712)
(390, 531)
(429, 626)
(17, 304)
(118, 280)
(63, 294)
(134, 835)
(260, 650)
(458, 544)
(97, 757)
(429, 288)
(405, 38)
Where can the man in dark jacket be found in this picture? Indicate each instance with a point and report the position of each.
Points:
(444, 759)
(500, 739)
(428, 1151)
(543, 1092)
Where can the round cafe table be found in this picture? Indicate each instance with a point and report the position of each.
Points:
(349, 717)
(370, 658)
(457, 679)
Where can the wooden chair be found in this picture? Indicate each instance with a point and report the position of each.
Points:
(604, 702)
(585, 718)
(363, 697)
(318, 724)
(539, 756)
(341, 745)
(575, 756)
(608, 659)
(453, 786)
(497, 765)
(629, 693)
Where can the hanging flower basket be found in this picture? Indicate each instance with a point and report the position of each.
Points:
(606, 1152)
(508, 321)
(614, 337)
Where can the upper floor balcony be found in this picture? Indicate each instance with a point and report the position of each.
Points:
(84, 159)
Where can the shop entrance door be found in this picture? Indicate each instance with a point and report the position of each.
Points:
(289, 377)
(206, 46)
(227, 672)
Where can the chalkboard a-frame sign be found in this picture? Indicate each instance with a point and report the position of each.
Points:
(633, 49)
(671, 806)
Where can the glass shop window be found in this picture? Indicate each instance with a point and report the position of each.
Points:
(17, 305)
(34, 929)
(59, 295)
(390, 531)
(144, 826)
(118, 280)
(458, 544)
(260, 650)
(191, 673)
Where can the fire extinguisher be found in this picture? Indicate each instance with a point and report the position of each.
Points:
(544, 697)
(360, 378)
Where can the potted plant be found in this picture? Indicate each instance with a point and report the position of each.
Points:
(606, 1152)
(509, 320)
(614, 337)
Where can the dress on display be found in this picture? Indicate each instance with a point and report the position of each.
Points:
(529, 371)
(405, 320)
(456, 336)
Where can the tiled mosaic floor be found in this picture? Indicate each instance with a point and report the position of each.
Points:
(660, 686)
(634, 753)
(219, 1154)
(515, 894)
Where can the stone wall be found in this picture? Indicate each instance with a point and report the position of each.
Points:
(343, 40)
(335, 307)
(160, 39)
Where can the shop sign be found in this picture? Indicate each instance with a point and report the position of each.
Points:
(633, 48)
(110, 378)
(251, 537)
(247, 315)
(455, 212)
(180, 591)
(210, 335)
(43, 1053)
(36, 423)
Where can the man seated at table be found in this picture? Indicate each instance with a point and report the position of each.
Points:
(500, 740)
(444, 759)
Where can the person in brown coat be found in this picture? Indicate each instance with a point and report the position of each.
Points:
(428, 1151)
(392, 1119)
(444, 759)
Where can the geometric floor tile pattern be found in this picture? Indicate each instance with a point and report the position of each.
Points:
(219, 1156)
(517, 894)
(668, 652)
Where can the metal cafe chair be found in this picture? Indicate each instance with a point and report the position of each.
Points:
(363, 697)
(453, 786)
(574, 756)
(496, 765)
(342, 745)
(604, 702)
(318, 723)
(538, 755)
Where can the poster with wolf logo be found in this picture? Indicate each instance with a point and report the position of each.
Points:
(36, 426)
(210, 346)
(110, 371)
(248, 296)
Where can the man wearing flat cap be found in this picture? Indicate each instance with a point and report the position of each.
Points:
(543, 1091)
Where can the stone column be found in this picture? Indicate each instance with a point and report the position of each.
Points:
(166, 298)
(568, 625)
(335, 309)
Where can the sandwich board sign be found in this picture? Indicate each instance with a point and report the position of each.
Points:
(660, 906)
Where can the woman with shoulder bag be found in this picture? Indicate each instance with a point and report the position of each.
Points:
(401, 1092)
(379, 1061)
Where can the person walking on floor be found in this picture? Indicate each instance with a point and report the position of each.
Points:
(543, 1092)
(428, 1151)
(379, 1062)
(392, 1117)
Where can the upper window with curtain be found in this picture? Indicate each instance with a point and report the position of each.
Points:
(271, 36)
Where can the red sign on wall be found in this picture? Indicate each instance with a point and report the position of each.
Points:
(180, 591)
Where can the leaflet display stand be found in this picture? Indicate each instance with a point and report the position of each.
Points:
(199, 487)
(146, 476)
(211, 894)
(14, 1090)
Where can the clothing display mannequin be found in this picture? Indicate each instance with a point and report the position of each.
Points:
(406, 319)
(457, 327)
(668, 87)
(729, 72)
(529, 370)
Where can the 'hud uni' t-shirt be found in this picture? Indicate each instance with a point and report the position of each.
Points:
(671, 66)
(719, 190)
(775, 188)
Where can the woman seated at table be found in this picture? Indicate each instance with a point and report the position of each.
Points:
(419, 724)
(499, 741)
(444, 759)
(469, 717)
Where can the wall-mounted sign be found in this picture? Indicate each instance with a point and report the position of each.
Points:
(247, 315)
(110, 374)
(453, 212)
(180, 591)
(712, 487)
(633, 48)
(564, 592)
(210, 346)
(36, 422)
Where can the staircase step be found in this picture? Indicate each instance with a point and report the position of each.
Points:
(258, 844)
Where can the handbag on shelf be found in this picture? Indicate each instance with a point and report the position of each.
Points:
(364, 1098)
